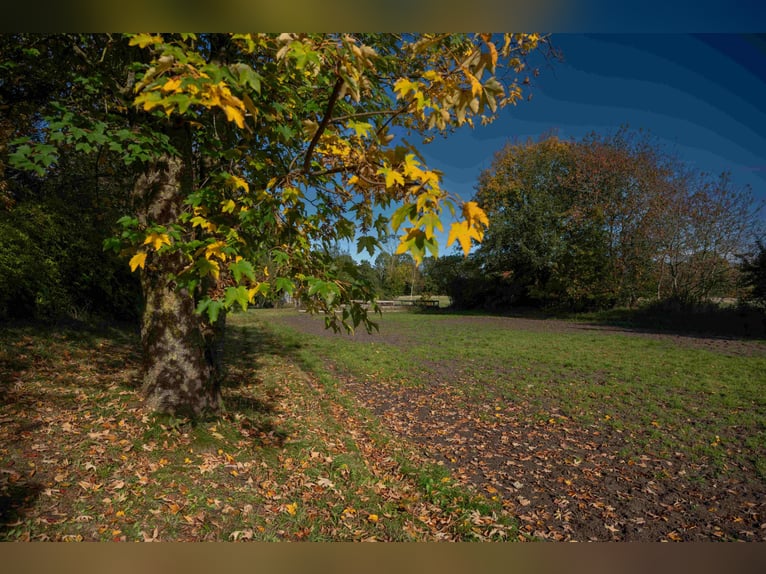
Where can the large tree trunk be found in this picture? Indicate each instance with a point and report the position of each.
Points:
(180, 374)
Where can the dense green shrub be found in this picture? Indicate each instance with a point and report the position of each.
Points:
(52, 264)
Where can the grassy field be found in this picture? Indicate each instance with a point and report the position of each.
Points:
(686, 412)
(630, 383)
(437, 428)
(291, 459)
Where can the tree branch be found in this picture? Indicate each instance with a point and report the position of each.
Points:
(323, 124)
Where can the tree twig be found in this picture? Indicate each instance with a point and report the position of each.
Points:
(325, 120)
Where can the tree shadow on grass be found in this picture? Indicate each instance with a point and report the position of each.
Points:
(701, 322)
(248, 399)
(15, 500)
(704, 321)
(64, 348)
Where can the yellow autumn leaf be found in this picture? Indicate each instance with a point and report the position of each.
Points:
(239, 182)
(476, 87)
(144, 40)
(234, 115)
(392, 176)
(403, 86)
(214, 250)
(149, 105)
(412, 167)
(492, 56)
(474, 214)
(138, 260)
(463, 232)
(291, 508)
(203, 223)
(172, 85)
(228, 206)
(373, 518)
(157, 240)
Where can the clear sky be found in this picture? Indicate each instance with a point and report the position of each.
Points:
(703, 97)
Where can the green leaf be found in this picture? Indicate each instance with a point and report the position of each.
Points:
(207, 267)
(362, 129)
(237, 295)
(213, 309)
(112, 243)
(280, 257)
(241, 268)
(128, 222)
(431, 221)
(406, 211)
(144, 40)
(367, 242)
(284, 284)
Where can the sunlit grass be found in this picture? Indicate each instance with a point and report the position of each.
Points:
(291, 458)
(664, 397)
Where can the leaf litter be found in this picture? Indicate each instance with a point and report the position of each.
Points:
(82, 460)
(564, 479)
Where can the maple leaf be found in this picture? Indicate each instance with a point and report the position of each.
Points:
(138, 260)
(392, 176)
(198, 220)
(471, 228)
(157, 240)
(228, 206)
(214, 250)
(172, 85)
(234, 114)
(239, 182)
(462, 232)
(144, 40)
(325, 482)
(474, 214)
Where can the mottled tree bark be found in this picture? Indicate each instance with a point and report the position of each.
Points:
(180, 376)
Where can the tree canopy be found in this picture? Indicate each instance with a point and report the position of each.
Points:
(609, 219)
(252, 154)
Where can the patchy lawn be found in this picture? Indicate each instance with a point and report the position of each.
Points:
(440, 427)
(585, 432)
(291, 459)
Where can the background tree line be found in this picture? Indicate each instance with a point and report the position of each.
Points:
(607, 220)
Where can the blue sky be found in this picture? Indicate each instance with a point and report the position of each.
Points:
(703, 97)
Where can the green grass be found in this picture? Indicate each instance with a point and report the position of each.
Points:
(292, 458)
(664, 397)
(296, 457)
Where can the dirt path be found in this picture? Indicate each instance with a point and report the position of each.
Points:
(563, 480)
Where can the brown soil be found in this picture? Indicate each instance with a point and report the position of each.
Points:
(565, 481)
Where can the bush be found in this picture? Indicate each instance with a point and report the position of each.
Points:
(754, 276)
(52, 264)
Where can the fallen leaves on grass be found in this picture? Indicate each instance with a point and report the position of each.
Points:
(563, 479)
(80, 458)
